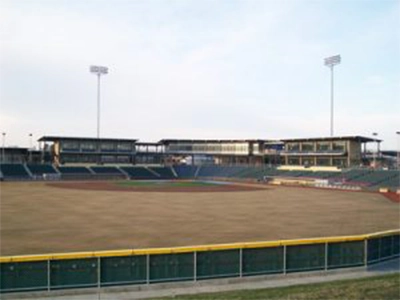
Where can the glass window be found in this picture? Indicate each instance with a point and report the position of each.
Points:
(70, 146)
(322, 161)
(338, 146)
(294, 161)
(124, 146)
(339, 162)
(308, 147)
(308, 161)
(323, 147)
(88, 146)
(293, 147)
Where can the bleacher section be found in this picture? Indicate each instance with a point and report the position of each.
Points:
(74, 170)
(367, 178)
(220, 171)
(163, 172)
(40, 169)
(14, 171)
(106, 170)
(184, 171)
(139, 173)
(378, 177)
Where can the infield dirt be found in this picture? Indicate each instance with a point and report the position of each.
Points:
(36, 218)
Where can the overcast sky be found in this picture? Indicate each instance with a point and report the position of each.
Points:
(199, 69)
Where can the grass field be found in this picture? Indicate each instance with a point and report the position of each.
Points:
(37, 218)
(386, 287)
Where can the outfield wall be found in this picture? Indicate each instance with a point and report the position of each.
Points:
(147, 266)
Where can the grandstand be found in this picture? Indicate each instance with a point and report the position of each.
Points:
(163, 172)
(366, 178)
(40, 169)
(139, 173)
(14, 171)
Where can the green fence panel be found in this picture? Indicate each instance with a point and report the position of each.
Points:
(23, 276)
(170, 267)
(123, 270)
(346, 254)
(262, 261)
(396, 244)
(373, 250)
(73, 273)
(305, 257)
(386, 247)
(212, 264)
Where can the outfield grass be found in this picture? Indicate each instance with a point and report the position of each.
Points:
(385, 287)
(152, 184)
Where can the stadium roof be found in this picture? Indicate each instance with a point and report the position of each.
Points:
(356, 138)
(64, 138)
(167, 141)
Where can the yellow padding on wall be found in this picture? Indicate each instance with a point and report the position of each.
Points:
(200, 248)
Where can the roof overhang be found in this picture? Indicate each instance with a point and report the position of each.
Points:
(82, 139)
(356, 138)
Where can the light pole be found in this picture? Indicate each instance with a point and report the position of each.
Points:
(3, 156)
(398, 149)
(30, 147)
(98, 70)
(375, 153)
(331, 62)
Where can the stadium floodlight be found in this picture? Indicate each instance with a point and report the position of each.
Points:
(398, 149)
(331, 62)
(377, 149)
(98, 70)
(30, 147)
(3, 157)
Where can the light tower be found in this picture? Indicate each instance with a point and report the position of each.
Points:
(98, 70)
(331, 62)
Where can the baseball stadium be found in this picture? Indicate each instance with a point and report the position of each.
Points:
(100, 212)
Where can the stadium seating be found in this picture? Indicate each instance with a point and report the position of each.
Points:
(163, 172)
(74, 170)
(139, 173)
(105, 170)
(184, 171)
(14, 171)
(40, 169)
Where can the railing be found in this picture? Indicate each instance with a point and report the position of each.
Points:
(147, 266)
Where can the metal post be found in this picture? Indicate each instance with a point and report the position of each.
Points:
(331, 62)
(195, 266)
(366, 252)
(48, 275)
(3, 157)
(326, 256)
(147, 269)
(30, 147)
(98, 272)
(98, 105)
(284, 259)
(332, 100)
(398, 150)
(241, 262)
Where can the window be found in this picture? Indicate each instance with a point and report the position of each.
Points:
(107, 146)
(293, 161)
(293, 147)
(322, 161)
(307, 147)
(308, 161)
(338, 146)
(70, 146)
(124, 147)
(339, 162)
(88, 146)
(323, 147)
